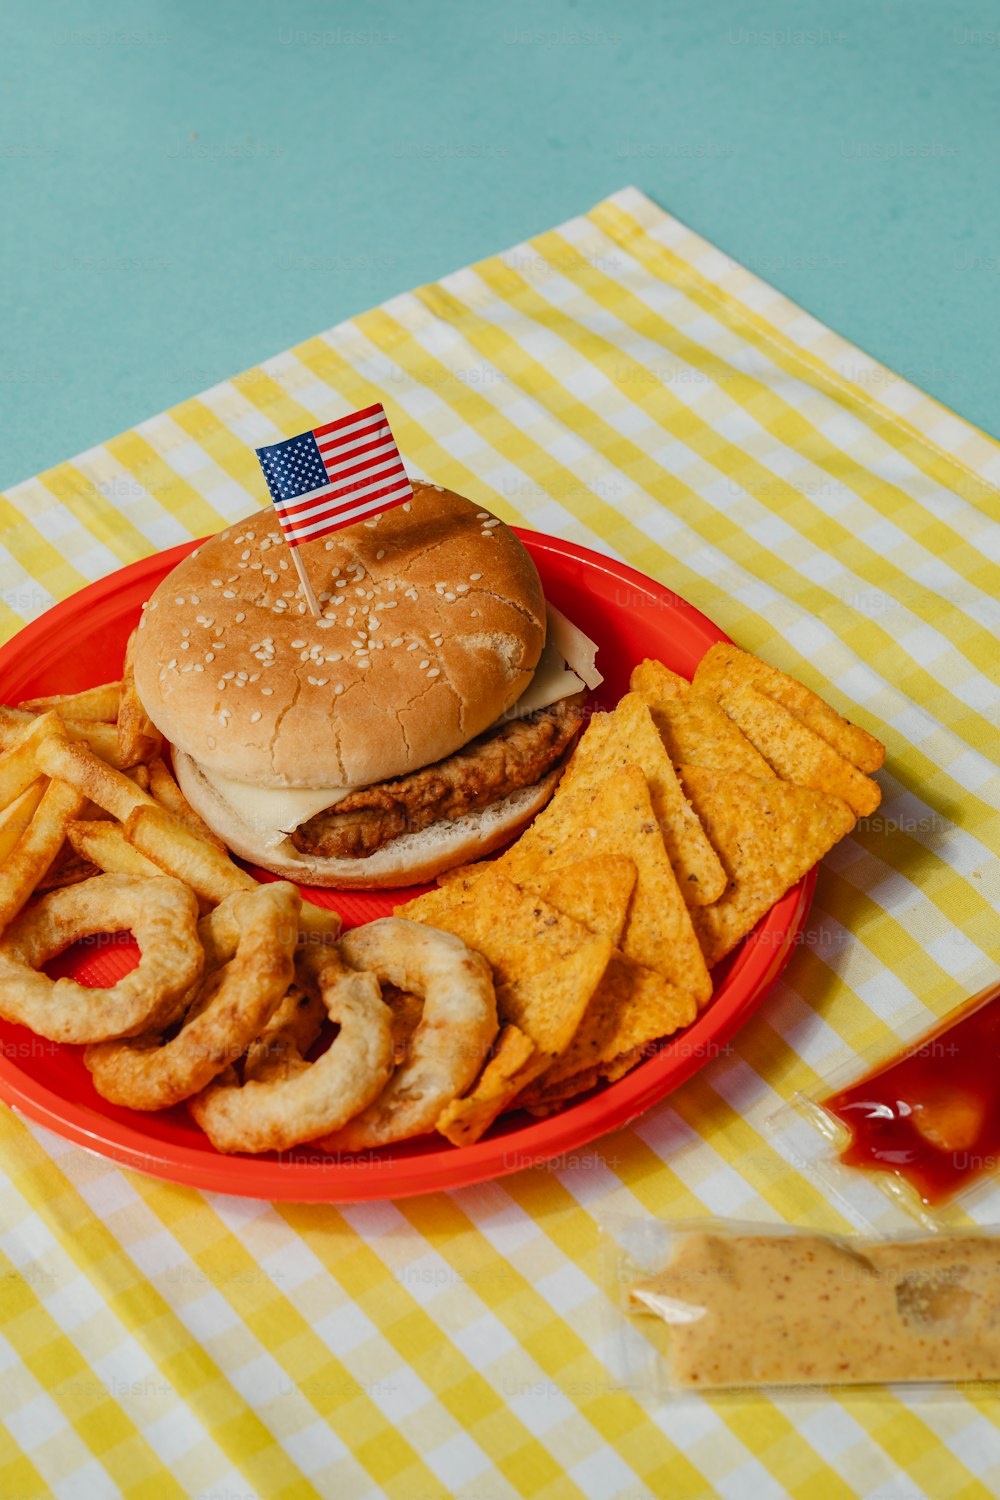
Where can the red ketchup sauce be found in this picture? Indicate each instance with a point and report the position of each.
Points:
(931, 1115)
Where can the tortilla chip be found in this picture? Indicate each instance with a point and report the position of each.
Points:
(545, 965)
(594, 892)
(434, 903)
(654, 682)
(550, 1101)
(697, 731)
(769, 833)
(463, 1121)
(796, 753)
(629, 737)
(723, 668)
(617, 818)
(631, 1007)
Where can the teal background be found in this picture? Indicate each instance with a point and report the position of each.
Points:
(192, 187)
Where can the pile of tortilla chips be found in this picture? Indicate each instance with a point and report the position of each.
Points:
(683, 816)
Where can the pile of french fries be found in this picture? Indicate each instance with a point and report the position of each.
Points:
(84, 788)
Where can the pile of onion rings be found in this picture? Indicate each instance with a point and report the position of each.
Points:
(222, 1013)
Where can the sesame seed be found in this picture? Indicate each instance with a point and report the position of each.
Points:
(283, 564)
(228, 676)
(245, 555)
(171, 663)
(449, 595)
(297, 645)
(324, 624)
(406, 504)
(434, 672)
(198, 667)
(220, 684)
(254, 677)
(482, 515)
(339, 688)
(424, 663)
(209, 655)
(179, 599)
(328, 546)
(412, 646)
(474, 577)
(185, 645)
(267, 692)
(461, 588)
(488, 524)
(255, 716)
(397, 642)
(185, 632)
(342, 584)
(216, 583)
(380, 554)
(363, 661)
(240, 618)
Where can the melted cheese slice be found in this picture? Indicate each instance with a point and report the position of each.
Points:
(275, 811)
(274, 808)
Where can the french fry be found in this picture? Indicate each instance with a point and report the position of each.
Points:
(184, 853)
(138, 738)
(97, 704)
(76, 763)
(177, 849)
(14, 819)
(102, 738)
(165, 790)
(18, 768)
(38, 846)
(68, 868)
(139, 775)
(106, 846)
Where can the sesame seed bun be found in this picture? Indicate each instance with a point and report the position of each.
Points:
(433, 624)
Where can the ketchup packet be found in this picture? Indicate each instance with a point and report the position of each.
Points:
(919, 1126)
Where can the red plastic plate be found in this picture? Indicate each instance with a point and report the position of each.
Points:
(80, 642)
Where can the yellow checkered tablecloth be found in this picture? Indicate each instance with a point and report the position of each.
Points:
(622, 383)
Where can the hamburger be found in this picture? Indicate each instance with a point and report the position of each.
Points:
(421, 721)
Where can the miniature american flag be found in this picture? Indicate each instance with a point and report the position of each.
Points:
(335, 475)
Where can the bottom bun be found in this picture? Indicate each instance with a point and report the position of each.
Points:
(411, 859)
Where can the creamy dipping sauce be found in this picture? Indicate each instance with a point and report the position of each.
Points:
(802, 1309)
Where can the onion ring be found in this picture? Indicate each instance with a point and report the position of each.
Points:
(458, 1025)
(232, 1007)
(285, 1100)
(161, 914)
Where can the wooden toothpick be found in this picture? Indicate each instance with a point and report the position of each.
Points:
(307, 587)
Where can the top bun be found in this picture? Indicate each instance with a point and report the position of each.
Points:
(433, 624)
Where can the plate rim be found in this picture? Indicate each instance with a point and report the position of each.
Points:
(327, 1179)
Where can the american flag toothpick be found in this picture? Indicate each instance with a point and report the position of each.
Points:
(333, 476)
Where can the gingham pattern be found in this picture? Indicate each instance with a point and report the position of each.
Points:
(620, 382)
